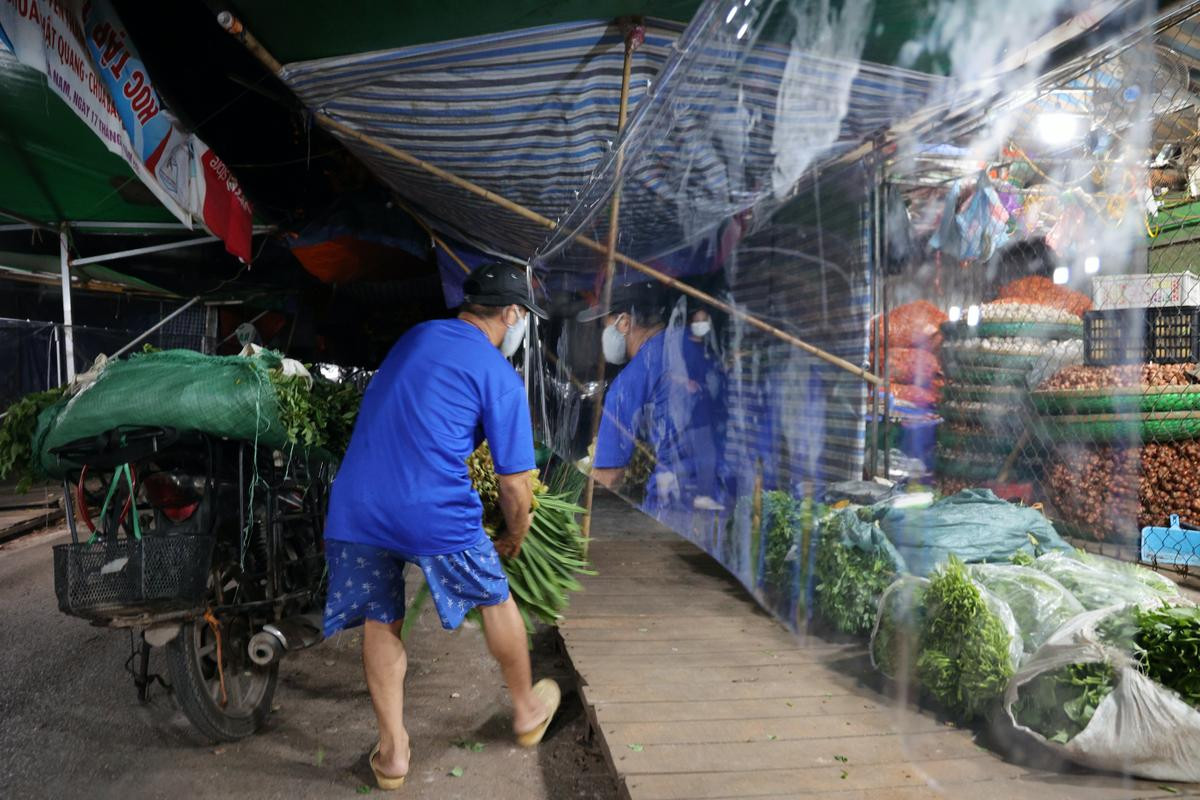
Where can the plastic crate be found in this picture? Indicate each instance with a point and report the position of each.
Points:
(1141, 335)
(126, 576)
(1174, 545)
(1154, 290)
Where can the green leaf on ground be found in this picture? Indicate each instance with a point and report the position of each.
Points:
(467, 744)
(771, 737)
(457, 772)
(320, 755)
(842, 759)
(1168, 789)
(637, 748)
(364, 789)
(845, 774)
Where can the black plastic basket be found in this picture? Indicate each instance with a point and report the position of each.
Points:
(1168, 335)
(129, 576)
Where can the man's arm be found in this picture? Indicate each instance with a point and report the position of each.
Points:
(516, 500)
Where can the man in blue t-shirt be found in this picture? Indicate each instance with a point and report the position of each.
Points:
(403, 495)
(656, 398)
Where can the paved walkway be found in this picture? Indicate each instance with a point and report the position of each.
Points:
(696, 694)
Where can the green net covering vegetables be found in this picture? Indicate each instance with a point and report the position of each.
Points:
(237, 397)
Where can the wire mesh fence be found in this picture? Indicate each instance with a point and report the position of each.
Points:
(1046, 328)
(33, 353)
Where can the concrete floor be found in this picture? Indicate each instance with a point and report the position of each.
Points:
(71, 725)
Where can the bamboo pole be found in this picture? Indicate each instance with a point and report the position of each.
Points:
(631, 42)
(437, 240)
(235, 28)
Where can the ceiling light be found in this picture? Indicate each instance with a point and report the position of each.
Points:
(1061, 275)
(1057, 128)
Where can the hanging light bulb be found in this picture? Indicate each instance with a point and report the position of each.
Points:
(1061, 275)
(973, 316)
(955, 313)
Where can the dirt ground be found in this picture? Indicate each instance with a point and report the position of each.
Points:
(73, 727)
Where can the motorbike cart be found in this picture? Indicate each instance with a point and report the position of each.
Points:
(208, 547)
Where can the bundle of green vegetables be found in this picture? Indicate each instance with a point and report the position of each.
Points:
(1059, 704)
(782, 521)
(1101, 582)
(319, 415)
(1164, 643)
(554, 552)
(898, 625)
(16, 436)
(850, 578)
(966, 649)
(1039, 604)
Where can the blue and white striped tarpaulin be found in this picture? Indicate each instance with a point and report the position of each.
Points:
(532, 114)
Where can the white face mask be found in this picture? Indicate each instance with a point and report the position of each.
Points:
(612, 341)
(514, 335)
(702, 328)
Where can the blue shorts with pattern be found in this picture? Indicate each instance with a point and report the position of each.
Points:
(367, 582)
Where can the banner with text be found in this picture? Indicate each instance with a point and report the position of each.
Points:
(90, 62)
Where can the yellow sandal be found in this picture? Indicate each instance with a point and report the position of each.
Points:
(385, 782)
(548, 692)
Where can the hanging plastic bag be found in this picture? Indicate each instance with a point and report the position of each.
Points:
(1138, 728)
(983, 224)
(948, 236)
(1040, 604)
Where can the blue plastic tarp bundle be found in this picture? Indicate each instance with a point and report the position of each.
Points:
(975, 525)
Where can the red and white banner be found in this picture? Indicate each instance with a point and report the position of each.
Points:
(90, 62)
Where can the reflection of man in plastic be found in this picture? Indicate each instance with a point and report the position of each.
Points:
(653, 398)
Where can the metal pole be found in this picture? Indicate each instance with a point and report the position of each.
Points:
(141, 251)
(632, 40)
(873, 346)
(235, 27)
(64, 253)
(158, 325)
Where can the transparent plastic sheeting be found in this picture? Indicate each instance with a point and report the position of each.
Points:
(748, 173)
(717, 190)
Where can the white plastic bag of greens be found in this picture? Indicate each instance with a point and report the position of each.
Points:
(1099, 582)
(970, 644)
(1159, 584)
(1039, 603)
(898, 627)
(1086, 699)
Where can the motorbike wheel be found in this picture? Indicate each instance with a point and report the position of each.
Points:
(249, 688)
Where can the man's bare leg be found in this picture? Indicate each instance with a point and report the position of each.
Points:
(385, 663)
(505, 633)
